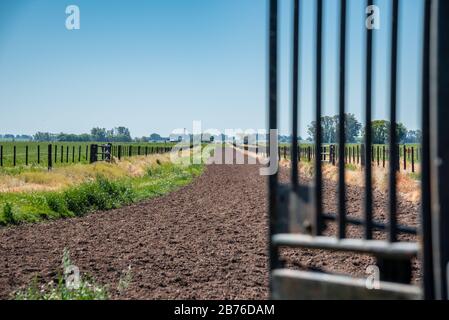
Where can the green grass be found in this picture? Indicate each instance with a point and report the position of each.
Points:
(71, 152)
(100, 194)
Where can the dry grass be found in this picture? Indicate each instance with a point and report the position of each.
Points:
(407, 183)
(64, 177)
(407, 186)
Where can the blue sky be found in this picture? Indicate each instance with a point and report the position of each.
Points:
(158, 65)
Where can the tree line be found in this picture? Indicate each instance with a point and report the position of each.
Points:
(118, 134)
(355, 132)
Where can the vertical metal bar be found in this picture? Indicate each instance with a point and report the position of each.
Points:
(272, 124)
(368, 133)
(439, 140)
(318, 133)
(426, 222)
(393, 135)
(341, 130)
(295, 83)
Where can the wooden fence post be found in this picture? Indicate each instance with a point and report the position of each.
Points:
(383, 156)
(353, 154)
(1, 156)
(79, 154)
(413, 160)
(404, 148)
(26, 155)
(362, 155)
(49, 157)
(93, 153)
(56, 153)
(358, 154)
(38, 154)
(14, 156)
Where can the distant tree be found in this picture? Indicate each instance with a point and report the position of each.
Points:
(9, 137)
(330, 125)
(42, 136)
(328, 129)
(121, 134)
(413, 136)
(98, 134)
(381, 132)
(155, 137)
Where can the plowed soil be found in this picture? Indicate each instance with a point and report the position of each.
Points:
(204, 241)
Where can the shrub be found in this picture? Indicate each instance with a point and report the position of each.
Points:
(8, 214)
(57, 203)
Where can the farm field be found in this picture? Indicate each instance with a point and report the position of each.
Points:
(63, 153)
(36, 194)
(189, 244)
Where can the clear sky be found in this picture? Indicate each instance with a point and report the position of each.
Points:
(158, 65)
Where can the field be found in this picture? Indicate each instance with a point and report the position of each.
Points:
(35, 194)
(206, 240)
(63, 153)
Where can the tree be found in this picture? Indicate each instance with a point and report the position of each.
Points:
(413, 136)
(98, 134)
(42, 136)
(121, 134)
(155, 137)
(352, 127)
(329, 129)
(381, 132)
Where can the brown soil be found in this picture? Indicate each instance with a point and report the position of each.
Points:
(204, 241)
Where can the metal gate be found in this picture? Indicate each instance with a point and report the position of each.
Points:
(296, 217)
(105, 152)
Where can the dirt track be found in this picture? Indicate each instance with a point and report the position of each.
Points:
(204, 241)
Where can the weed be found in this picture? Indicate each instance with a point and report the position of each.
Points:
(86, 288)
(8, 214)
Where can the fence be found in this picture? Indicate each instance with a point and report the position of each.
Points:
(409, 156)
(51, 155)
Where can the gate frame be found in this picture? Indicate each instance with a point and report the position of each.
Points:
(434, 242)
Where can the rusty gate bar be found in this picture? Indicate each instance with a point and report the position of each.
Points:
(393, 136)
(426, 228)
(439, 151)
(318, 133)
(341, 131)
(368, 113)
(295, 78)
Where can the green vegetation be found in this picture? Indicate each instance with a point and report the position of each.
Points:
(85, 287)
(108, 190)
(63, 153)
